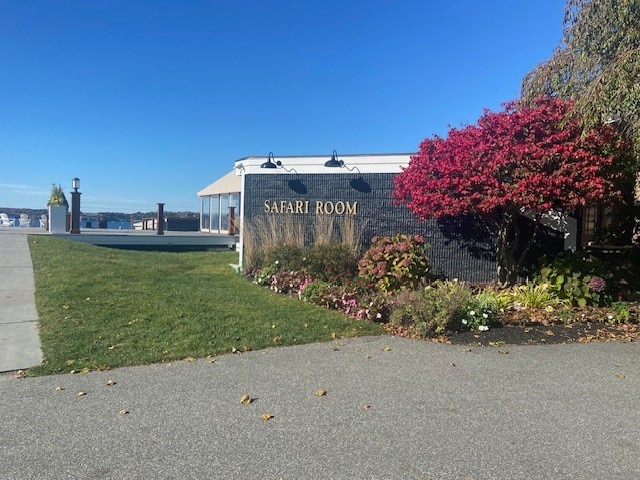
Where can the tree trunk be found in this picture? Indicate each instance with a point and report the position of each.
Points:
(508, 242)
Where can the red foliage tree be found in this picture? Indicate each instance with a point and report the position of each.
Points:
(531, 159)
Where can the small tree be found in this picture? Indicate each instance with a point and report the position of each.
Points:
(521, 159)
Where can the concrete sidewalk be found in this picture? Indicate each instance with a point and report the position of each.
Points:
(19, 337)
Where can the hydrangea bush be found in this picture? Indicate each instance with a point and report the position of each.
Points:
(396, 262)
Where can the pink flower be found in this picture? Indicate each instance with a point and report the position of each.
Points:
(597, 284)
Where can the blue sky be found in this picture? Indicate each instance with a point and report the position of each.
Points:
(150, 101)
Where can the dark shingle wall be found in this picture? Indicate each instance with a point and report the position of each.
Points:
(459, 248)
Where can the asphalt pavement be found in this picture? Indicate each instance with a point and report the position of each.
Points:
(391, 408)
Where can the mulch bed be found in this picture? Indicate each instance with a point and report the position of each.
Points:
(540, 327)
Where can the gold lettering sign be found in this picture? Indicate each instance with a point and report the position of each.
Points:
(321, 207)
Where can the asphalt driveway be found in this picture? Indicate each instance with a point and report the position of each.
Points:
(393, 408)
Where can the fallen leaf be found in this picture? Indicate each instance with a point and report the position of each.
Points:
(273, 326)
(333, 335)
(80, 394)
(211, 360)
(110, 383)
(246, 399)
(453, 364)
(320, 392)
(191, 359)
(549, 332)
(234, 350)
(367, 357)
(85, 370)
(387, 348)
(59, 388)
(65, 307)
(73, 372)
(88, 298)
(21, 374)
(267, 416)
(70, 362)
(124, 411)
(246, 348)
(366, 407)
(277, 339)
(620, 376)
(112, 347)
(306, 325)
(503, 352)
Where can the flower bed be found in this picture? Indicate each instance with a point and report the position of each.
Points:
(392, 284)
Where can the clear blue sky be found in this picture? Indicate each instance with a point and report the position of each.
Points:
(150, 101)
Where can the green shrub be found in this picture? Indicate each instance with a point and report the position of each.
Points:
(621, 313)
(262, 276)
(314, 291)
(330, 261)
(286, 257)
(397, 262)
(433, 310)
(534, 295)
(576, 279)
(480, 312)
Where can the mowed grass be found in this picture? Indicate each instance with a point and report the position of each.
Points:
(101, 308)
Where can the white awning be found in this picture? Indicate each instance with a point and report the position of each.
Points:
(230, 183)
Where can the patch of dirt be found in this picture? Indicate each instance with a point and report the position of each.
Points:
(548, 334)
(541, 327)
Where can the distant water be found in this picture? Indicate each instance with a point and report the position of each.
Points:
(116, 225)
(111, 225)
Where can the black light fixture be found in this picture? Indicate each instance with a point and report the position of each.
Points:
(334, 162)
(270, 163)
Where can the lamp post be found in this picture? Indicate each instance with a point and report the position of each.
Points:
(75, 206)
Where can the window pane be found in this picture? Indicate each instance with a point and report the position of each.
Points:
(224, 210)
(204, 215)
(215, 213)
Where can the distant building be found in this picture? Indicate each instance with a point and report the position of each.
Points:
(308, 189)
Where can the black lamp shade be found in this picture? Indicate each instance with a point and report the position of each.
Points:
(334, 162)
(268, 164)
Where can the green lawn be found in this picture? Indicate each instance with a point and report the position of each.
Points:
(101, 308)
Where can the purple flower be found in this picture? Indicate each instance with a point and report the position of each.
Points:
(597, 284)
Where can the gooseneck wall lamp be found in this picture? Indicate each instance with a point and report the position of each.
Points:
(273, 163)
(335, 163)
